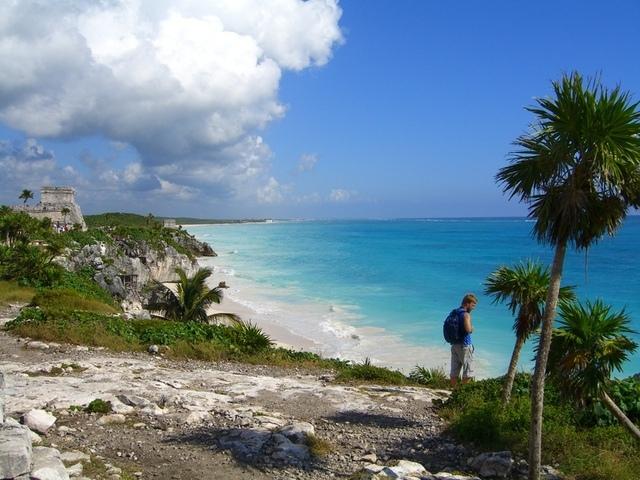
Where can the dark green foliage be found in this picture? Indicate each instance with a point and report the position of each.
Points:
(590, 343)
(249, 337)
(29, 265)
(368, 372)
(121, 219)
(591, 453)
(429, 377)
(99, 406)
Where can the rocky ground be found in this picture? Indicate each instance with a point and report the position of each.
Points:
(184, 420)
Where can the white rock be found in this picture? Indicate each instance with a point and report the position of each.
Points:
(82, 348)
(370, 457)
(37, 346)
(38, 420)
(35, 438)
(74, 456)
(153, 349)
(113, 419)
(405, 468)
(196, 418)
(451, 476)
(75, 470)
(297, 432)
(64, 429)
(493, 464)
(15, 450)
(1, 398)
(373, 468)
(118, 407)
(47, 465)
(133, 400)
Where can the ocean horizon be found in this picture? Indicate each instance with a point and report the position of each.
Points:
(380, 288)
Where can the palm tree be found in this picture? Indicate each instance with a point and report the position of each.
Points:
(190, 300)
(65, 211)
(26, 195)
(588, 346)
(579, 172)
(524, 288)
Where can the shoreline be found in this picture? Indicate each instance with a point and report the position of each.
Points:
(322, 328)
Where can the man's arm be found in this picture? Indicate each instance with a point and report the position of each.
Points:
(467, 323)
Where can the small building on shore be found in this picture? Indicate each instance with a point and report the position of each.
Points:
(59, 205)
(169, 223)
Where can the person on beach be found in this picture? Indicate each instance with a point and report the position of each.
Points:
(462, 353)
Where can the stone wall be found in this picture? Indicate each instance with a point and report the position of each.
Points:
(52, 201)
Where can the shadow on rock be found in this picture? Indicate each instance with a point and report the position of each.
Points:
(372, 419)
(258, 448)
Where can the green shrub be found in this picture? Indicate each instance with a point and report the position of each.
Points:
(249, 337)
(368, 372)
(429, 377)
(99, 406)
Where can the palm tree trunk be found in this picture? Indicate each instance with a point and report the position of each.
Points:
(537, 383)
(511, 373)
(619, 414)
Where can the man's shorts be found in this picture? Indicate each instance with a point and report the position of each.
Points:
(462, 359)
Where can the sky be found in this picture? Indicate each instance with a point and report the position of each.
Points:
(289, 108)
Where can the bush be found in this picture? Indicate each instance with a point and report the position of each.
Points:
(99, 406)
(589, 453)
(429, 377)
(368, 372)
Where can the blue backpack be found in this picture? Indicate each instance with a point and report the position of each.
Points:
(453, 327)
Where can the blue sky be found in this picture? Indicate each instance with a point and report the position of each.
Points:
(362, 109)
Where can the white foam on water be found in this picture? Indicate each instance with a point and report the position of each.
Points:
(334, 330)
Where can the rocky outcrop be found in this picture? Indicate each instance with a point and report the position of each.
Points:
(126, 269)
(190, 243)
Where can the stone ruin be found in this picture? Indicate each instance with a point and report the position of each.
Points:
(53, 200)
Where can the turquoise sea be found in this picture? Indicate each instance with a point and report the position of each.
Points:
(381, 288)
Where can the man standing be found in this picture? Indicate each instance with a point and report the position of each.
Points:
(462, 352)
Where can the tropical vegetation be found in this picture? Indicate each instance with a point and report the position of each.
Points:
(578, 170)
(190, 298)
(591, 342)
(26, 195)
(524, 288)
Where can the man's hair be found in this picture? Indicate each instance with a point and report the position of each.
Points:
(468, 298)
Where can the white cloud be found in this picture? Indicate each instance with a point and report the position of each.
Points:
(187, 84)
(307, 162)
(340, 195)
(271, 192)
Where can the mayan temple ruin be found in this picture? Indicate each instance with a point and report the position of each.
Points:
(58, 204)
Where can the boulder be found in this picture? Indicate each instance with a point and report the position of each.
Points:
(74, 456)
(113, 419)
(493, 464)
(15, 450)
(297, 432)
(47, 465)
(38, 420)
(404, 469)
(75, 470)
(133, 400)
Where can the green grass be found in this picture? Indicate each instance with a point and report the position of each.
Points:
(582, 451)
(114, 219)
(70, 300)
(12, 292)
